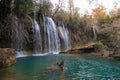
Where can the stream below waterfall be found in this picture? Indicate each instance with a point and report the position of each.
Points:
(77, 68)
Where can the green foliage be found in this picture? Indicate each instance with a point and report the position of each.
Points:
(99, 46)
(110, 35)
(45, 8)
(5, 9)
(79, 26)
(23, 7)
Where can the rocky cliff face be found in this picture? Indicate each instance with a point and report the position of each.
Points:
(7, 57)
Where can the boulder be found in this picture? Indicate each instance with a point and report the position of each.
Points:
(7, 57)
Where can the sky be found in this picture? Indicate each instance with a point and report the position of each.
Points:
(84, 5)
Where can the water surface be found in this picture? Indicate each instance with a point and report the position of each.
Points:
(77, 68)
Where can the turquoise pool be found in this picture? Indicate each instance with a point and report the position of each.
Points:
(77, 68)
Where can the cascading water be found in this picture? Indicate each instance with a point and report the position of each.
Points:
(17, 42)
(51, 38)
(52, 42)
(94, 29)
(64, 36)
(47, 42)
(37, 38)
(46, 37)
(18, 37)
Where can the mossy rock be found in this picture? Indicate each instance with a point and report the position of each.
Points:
(100, 47)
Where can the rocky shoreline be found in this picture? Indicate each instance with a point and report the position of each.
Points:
(7, 57)
(91, 52)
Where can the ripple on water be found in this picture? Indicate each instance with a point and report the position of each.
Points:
(98, 69)
(78, 68)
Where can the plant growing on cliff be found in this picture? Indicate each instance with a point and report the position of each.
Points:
(100, 47)
(23, 7)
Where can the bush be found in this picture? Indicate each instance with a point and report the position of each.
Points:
(100, 47)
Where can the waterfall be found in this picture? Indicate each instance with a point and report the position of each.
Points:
(94, 29)
(51, 38)
(37, 38)
(18, 37)
(47, 38)
(17, 41)
(64, 36)
(51, 41)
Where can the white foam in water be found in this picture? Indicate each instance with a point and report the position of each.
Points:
(44, 54)
(38, 54)
(21, 54)
(55, 52)
(24, 54)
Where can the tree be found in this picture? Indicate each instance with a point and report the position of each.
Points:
(23, 7)
(58, 7)
(45, 7)
(99, 14)
(62, 16)
(71, 6)
(6, 7)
